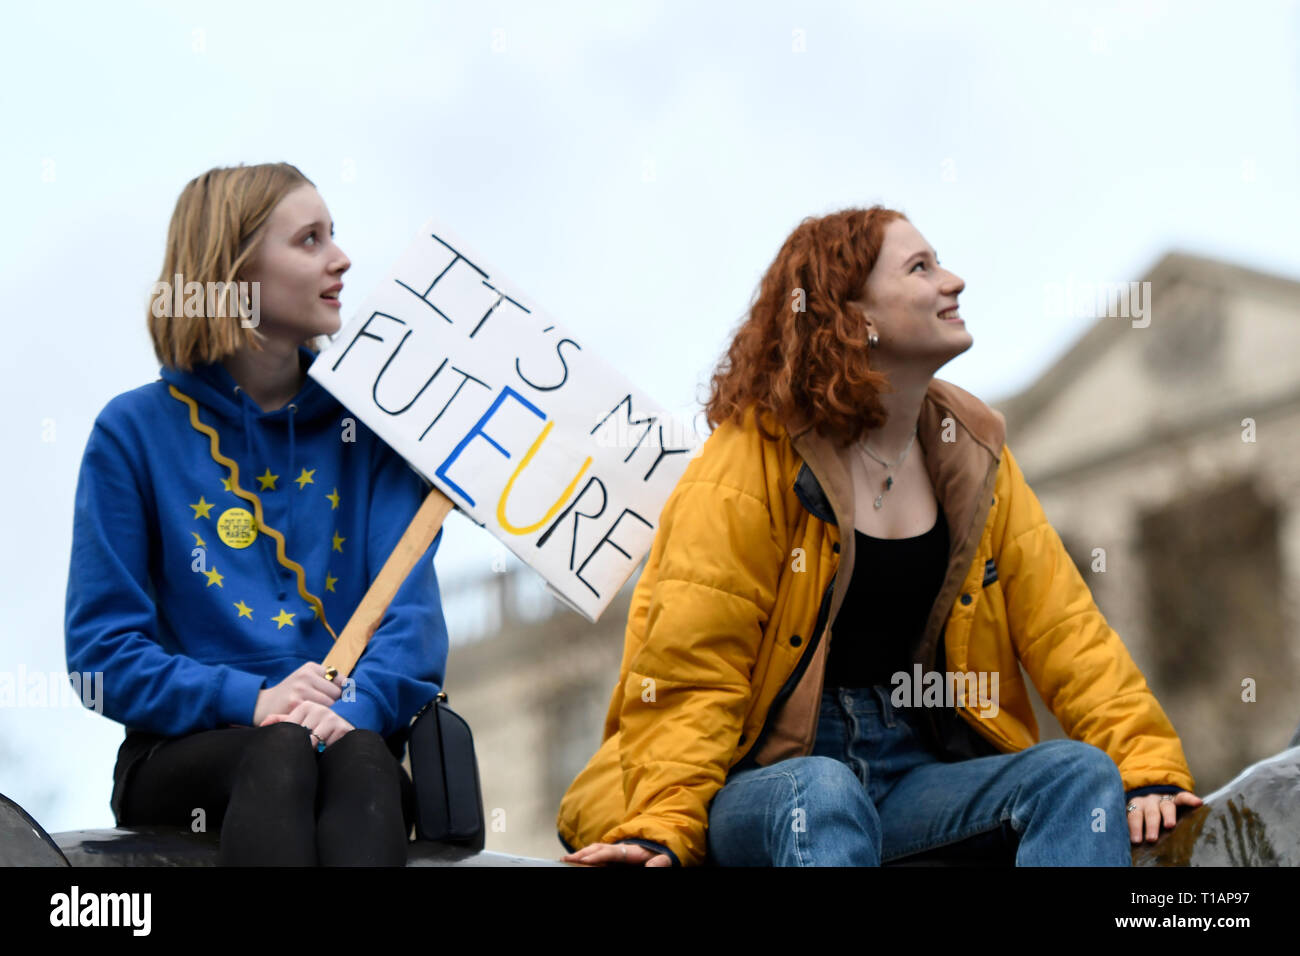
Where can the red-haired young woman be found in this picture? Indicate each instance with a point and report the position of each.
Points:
(845, 490)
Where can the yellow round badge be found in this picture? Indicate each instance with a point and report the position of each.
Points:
(237, 527)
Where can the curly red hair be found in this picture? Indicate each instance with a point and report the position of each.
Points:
(809, 367)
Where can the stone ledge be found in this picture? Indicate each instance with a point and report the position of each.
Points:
(173, 846)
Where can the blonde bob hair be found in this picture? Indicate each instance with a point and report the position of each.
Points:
(215, 230)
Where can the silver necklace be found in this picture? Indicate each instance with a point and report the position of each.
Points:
(889, 479)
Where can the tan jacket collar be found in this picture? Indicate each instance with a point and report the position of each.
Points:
(960, 435)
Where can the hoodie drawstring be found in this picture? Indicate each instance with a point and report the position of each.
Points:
(293, 413)
(248, 446)
(245, 405)
(248, 430)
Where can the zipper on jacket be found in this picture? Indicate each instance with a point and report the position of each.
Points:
(793, 681)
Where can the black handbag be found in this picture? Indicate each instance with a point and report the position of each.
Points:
(444, 772)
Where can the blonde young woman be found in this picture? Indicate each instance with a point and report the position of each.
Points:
(846, 491)
(229, 518)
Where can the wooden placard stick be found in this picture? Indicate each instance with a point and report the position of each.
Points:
(365, 620)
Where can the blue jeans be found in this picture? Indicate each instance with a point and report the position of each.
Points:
(871, 793)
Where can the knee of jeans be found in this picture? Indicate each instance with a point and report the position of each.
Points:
(830, 779)
(1081, 761)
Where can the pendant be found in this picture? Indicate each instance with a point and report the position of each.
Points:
(882, 496)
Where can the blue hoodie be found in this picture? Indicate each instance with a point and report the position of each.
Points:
(176, 592)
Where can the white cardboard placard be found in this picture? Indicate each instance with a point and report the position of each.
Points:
(533, 436)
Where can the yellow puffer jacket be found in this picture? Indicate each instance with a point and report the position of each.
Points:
(726, 638)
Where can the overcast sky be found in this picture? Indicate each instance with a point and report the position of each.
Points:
(633, 167)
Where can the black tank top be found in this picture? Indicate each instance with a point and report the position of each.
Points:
(878, 627)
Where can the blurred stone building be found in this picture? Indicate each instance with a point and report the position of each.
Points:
(1167, 455)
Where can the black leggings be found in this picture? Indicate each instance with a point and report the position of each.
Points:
(276, 800)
